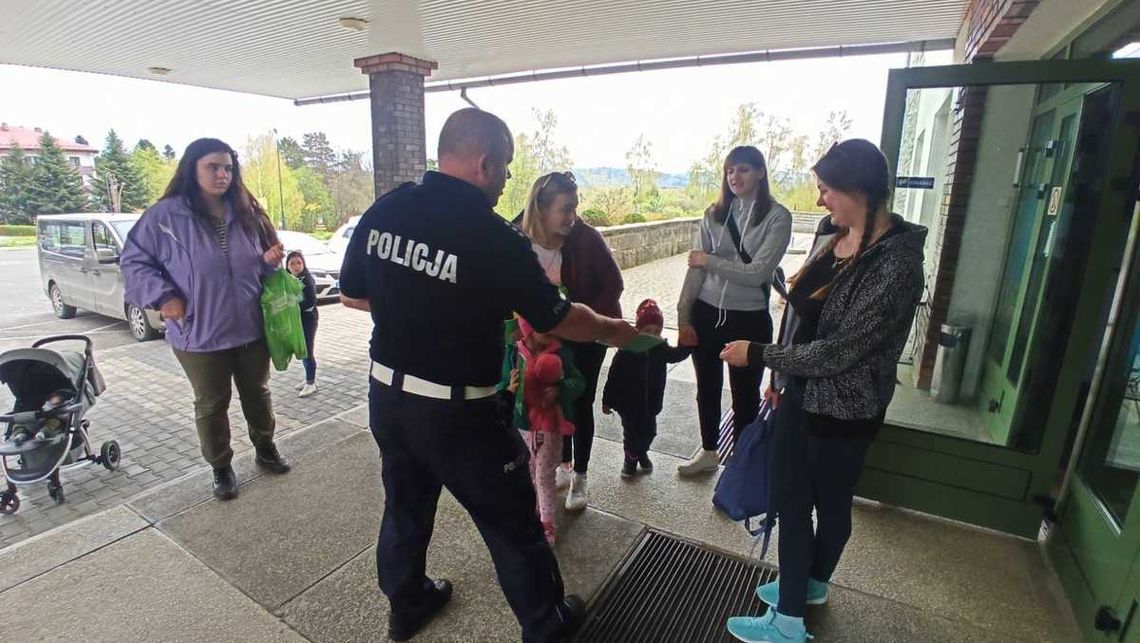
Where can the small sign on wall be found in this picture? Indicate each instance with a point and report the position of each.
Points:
(1055, 201)
(915, 182)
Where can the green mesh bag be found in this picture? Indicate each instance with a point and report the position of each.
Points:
(280, 295)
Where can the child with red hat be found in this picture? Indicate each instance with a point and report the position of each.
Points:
(635, 388)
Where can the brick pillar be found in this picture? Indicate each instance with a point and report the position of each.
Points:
(399, 148)
(988, 25)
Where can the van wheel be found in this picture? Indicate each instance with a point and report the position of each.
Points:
(62, 310)
(140, 325)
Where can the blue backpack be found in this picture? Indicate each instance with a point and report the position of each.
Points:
(742, 493)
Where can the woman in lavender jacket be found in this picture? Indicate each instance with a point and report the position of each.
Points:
(198, 256)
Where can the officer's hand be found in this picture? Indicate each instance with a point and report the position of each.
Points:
(174, 308)
(607, 410)
(620, 333)
(274, 255)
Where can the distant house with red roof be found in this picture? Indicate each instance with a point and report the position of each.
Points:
(81, 156)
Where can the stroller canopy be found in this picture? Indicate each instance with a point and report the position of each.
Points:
(33, 373)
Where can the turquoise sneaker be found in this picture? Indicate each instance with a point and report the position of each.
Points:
(770, 592)
(770, 628)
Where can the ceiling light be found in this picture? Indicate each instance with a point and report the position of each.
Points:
(355, 24)
(158, 71)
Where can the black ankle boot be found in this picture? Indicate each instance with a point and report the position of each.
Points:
(269, 459)
(225, 483)
(404, 625)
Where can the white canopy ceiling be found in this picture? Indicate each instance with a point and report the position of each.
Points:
(298, 48)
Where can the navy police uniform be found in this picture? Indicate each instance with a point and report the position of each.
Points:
(441, 271)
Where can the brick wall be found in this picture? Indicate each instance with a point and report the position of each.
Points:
(399, 147)
(989, 25)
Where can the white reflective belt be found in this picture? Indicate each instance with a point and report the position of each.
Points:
(424, 388)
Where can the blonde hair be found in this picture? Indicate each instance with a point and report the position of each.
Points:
(542, 194)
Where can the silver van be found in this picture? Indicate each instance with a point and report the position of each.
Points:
(79, 267)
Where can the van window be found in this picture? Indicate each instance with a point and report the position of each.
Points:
(348, 232)
(65, 238)
(103, 239)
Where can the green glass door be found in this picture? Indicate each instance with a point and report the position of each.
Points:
(1098, 534)
(1040, 195)
(1023, 172)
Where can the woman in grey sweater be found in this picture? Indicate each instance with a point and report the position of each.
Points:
(850, 310)
(743, 237)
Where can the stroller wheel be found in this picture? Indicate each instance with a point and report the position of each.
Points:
(9, 502)
(109, 455)
(55, 490)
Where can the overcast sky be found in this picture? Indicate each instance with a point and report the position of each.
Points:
(679, 111)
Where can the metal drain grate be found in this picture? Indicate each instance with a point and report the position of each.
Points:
(668, 589)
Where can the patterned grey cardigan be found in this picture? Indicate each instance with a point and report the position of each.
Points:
(852, 364)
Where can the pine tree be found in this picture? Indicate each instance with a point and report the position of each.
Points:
(15, 181)
(55, 185)
(319, 154)
(168, 153)
(291, 152)
(117, 183)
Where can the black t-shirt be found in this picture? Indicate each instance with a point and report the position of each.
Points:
(818, 274)
(441, 271)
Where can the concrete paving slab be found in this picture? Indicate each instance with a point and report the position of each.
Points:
(195, 488)
(283, 533)
(347, 605)
(663, 500)
(51, 549)
(141, 588)
(967, 574)
(855, 617)
(678, 428)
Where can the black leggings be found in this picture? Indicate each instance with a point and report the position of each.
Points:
(588, 359)
(752, 325)
(810, 472)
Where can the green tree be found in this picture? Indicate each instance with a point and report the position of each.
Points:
(154, 170)
(838, 127)
(319, 205)
(55, 185)
(351, 187)
(168, 152)
(615, 201)
(536, 154)
(145, 143)
(15, 183)
(118, 186)
(274, 189)
(642, 168)
(291, 152)
(319, 154)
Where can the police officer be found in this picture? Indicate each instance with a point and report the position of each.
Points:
(439, 271)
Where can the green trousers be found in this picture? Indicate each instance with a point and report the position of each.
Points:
(210, 375)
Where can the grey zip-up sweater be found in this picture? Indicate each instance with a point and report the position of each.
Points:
(852, 364)
(726, 282)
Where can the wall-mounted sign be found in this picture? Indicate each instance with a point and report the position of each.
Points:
(915, 182)
(1055, 202)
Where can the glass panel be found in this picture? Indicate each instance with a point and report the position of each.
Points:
(1030, 206)
(1045, 240)
(977, 167)
(1110, 465)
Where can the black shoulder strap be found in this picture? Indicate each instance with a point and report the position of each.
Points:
(734, 232)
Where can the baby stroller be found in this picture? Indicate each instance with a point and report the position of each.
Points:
(33, 375)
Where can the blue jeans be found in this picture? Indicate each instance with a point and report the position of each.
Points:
(309, 326)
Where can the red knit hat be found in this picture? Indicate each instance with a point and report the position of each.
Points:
(648, 314)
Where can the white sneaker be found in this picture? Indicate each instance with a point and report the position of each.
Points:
(704, 461)
(308, 389)
(579, 493)
(300, 386)
(562, 476)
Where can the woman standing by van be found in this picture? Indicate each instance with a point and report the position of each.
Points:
(743, 237)
(850, 311)
(198, 256)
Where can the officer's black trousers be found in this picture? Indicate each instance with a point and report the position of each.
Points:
(426, 444)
